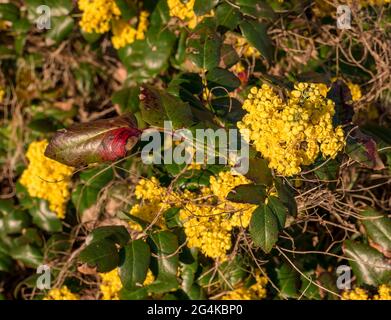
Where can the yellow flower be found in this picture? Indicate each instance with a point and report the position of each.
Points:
(291, 134)
(62, 293)
(47, 179)
(111, 284)
(97, 15)
(355, 91)
(384, 292)
(184, 11)
(255, 292)
(124, 33)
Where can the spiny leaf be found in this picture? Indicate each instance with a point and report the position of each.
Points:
(97, 141)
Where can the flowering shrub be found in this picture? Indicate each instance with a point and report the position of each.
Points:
(102, 104)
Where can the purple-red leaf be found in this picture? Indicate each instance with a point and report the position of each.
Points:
(363, 149)
(97, 141)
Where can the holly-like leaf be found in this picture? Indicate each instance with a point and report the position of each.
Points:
(44, 218)
(264, 228)
(203, 46)
(285, 194)
(256, 8)
(117, 234)
(102, 254)
(135, 262)
(98, 141)
(378, 228)
(368, 265)
(202, 7)
(219, 77)
(157, 106)
(164, 245)
(259, 171)
(256, 34)
(228, 16)
(278, 209)
(248, 193)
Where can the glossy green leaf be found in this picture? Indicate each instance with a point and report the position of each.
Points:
(256, 34)
(256, 8)
(204, 46)
(259, 171)
(102, 254)
(279, 210)
(9, 12)
(219, 77)
(248, 193)
(117, 234)
(264, 228)
(135, 258)
(288, 281)
(228, 16)
(285, 194)
(202, 7)
(44, 218)
(28, 255)
(368, 265)
(15, 222)
(378, 228)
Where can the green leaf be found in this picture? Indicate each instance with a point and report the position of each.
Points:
(256, 8)
(5, 263)
(145, 59)
(44, 218)
(135, 262)
(368, 265)
(256, 34)
(286, 196)
(97, 177)
(378, 228)
(228, 56)
(117, 234)
(128, 8)
(309, 288)
(259, 171)
(103, 254)
(219, 77)
(202, 7)
(60, 29)
(157, 106)
(204, 46)
(228, 16)
(28, 255)
(248, 193)
(278, 209)
(264, 228)
(164, 245)
(127, 99)
(15, 222)
(97, 141)
(9, 12)
(83, 197)
(288, 280)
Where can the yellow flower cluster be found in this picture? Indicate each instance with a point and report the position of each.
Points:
(184, 10)
(255, 292)
(62, 293)
(111, 284)
(97, 15)
(355, 91)
(156, 200)
(208, 218)
(384, 293)
(124, 33)
(47, 179)
(291, 134)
